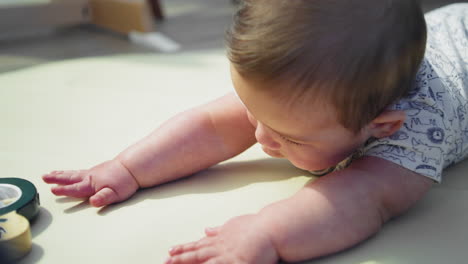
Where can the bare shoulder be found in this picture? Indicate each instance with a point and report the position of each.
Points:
(397, 187)
(228, 104)
(389, 172)
(378, 173)
(229, 118)
(393, 188)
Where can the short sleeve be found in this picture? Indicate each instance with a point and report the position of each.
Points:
(435, 132)
(427, 139)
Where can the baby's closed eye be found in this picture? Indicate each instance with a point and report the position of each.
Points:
(290, 141)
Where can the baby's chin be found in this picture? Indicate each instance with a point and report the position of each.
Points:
(309, 166)
(272, 153)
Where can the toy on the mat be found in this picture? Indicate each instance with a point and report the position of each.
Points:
(19, 204)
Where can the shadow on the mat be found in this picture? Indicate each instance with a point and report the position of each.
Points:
(220, 178)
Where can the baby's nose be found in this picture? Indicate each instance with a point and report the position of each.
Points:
(265, 137)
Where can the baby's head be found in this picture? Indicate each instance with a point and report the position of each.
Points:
(344, 61)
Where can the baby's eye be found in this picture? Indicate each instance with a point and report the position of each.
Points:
(290, 141)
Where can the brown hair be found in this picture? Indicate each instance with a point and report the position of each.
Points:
(359, 55)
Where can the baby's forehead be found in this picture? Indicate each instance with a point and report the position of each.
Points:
(287, 100)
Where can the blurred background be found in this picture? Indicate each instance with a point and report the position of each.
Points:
(39, 31)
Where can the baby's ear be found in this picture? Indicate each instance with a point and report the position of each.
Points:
(387, 123)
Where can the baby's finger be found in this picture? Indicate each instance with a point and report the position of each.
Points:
(192, 246)
(176, 250)
(104, 197)
(212, 231)
(193, 257)
(63, 177)
(78, 190)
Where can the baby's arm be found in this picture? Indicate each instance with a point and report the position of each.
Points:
(329, 214)
(189, 142)
(342, 209)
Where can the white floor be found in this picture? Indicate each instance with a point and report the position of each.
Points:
(76, 114)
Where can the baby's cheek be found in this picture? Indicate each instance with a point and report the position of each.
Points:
(252, 120)
(301, 162)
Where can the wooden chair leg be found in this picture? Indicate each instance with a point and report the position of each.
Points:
(157, 10)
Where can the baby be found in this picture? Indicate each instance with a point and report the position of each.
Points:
(361, 92)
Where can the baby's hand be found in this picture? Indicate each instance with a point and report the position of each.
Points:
(242, 240)
(106, 183)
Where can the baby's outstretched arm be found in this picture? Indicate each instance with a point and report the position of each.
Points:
(329, 214)
(344, 208)
(189, 142)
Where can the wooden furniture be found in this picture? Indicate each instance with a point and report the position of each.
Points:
(121, 16)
